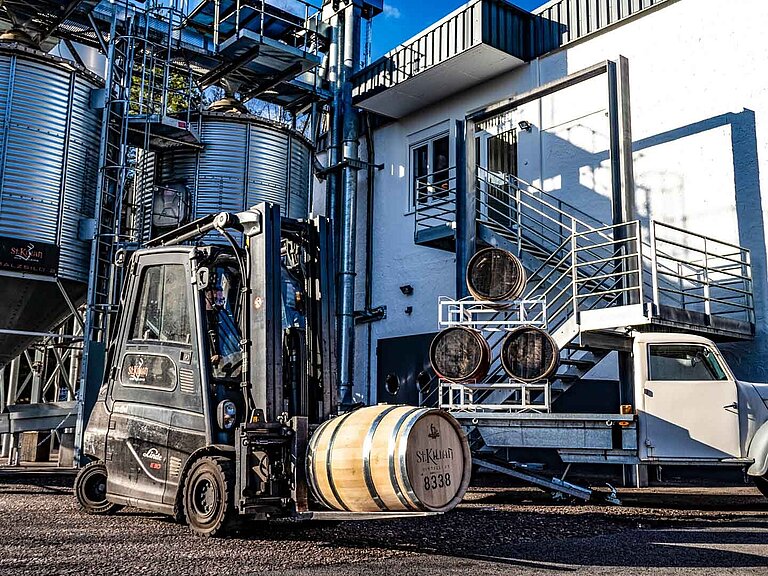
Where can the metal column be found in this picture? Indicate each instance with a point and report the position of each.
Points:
(466, 229)
(348, 209)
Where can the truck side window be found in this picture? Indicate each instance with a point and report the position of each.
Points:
(163, 311)
(683, 362)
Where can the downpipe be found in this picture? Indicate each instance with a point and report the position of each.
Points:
(348, 237)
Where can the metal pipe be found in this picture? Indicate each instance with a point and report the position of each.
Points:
(334, 133)
(370, 181)
(351, 144)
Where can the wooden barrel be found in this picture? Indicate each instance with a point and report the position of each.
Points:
(529, 354)
(389, 458)
(460, 354)
(494, 274)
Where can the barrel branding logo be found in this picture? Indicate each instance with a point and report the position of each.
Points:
(434, 433)
(433, 456)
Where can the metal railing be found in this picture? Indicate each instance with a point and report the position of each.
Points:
(698, 273)
(507, 204)
(449, 37)
(598, 265)
(435, 200)
(597, 268)
(297, 28)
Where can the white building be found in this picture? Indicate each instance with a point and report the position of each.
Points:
(699, 149)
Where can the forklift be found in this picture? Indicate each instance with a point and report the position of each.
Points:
(221, 364)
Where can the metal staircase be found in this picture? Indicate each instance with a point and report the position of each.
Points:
(598, 280)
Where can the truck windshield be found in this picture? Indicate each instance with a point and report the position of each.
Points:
(222, 313)
(683, 362)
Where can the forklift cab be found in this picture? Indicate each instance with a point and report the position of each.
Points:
(172, 388)
(221, 358)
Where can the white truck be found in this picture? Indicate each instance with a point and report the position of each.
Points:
(687, 408)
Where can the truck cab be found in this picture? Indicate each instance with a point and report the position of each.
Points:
(691, 408)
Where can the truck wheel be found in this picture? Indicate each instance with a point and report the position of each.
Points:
(762, 484)
(91, 490)
(209, 496)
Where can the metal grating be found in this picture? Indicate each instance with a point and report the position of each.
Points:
(186, 381)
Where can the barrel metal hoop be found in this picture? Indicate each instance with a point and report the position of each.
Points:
(392, 474)
(311, 451)
(401, 457)
(367, 447)
(329, 462)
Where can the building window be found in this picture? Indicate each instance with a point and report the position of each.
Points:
(430, 169)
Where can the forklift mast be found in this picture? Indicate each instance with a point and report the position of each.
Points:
(289, 370)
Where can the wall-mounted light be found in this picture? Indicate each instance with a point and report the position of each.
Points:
(407, 289)
(524, 125)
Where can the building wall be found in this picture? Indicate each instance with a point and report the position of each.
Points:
(700, 131)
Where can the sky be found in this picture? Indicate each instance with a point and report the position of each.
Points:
(402, 19)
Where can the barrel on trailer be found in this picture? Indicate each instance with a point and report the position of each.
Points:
(389, 458)
(460, 354)
(495, 275)
(529, 354)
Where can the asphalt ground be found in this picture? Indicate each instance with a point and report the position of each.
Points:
(497, 530)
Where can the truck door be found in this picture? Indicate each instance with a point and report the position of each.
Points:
(689, 405)
(154, 352)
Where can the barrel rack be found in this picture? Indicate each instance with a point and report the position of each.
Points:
(498, 392)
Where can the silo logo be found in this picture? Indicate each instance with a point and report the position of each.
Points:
(25, 256)
(27, 253)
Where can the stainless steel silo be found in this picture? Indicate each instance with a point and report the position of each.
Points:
(244, 160)
(49, 148)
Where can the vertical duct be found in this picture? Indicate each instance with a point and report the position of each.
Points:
(350, 125)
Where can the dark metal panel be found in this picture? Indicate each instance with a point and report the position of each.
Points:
(400, 361)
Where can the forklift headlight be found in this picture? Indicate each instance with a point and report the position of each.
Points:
(226, 414)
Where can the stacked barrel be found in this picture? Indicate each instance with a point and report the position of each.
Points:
(459, 354)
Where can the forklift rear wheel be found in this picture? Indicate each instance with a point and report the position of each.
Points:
(762, 484)
(209, 496)
(91, 490)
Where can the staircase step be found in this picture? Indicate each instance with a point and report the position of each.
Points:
(578, 363)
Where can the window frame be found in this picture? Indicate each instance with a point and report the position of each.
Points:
(127, 383)
(428, 137)
(715, 357)
(137, 303)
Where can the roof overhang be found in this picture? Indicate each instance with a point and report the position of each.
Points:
(469, 68)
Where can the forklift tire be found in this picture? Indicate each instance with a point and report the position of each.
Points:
(209, 490)
(762, 484)
(91, 490)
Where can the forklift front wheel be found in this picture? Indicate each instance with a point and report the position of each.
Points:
(209, 496)
(91, 490)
